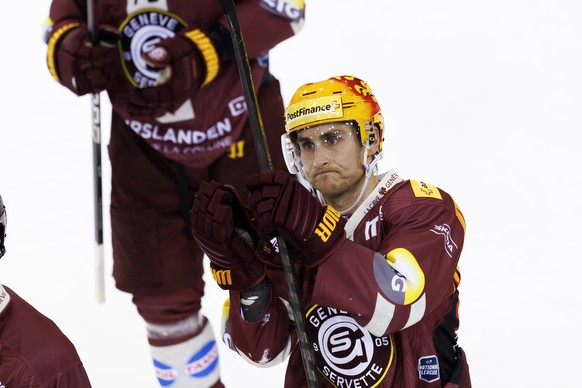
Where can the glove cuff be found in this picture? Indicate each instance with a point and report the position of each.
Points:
(208, 53)
(239, 279)
(52, 44)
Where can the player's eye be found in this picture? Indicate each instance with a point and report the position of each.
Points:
(332, 140)
(306, 145)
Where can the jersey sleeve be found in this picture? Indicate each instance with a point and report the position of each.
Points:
(407, 274)
(279, 20)
(62, 12)
(33, 349)
(263, 343)
(74, 376)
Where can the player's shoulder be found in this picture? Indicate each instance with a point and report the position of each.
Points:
(293, 10)
(421, 189)
(413, 192)
(409, 196)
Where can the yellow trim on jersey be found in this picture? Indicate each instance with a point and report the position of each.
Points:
(404, 262)
(298, 3)
(52, 43)
(457, 276)
(208, 52)
(310, 310)
(460, 216)
(422, 189)
(225, 310)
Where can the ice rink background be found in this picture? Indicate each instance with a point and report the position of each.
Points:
(482, 99)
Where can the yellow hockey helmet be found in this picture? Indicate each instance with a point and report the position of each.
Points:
(339, 98)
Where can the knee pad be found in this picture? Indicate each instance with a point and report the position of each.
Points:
(191, 363)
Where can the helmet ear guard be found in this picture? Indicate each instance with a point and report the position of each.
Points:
(369, 137)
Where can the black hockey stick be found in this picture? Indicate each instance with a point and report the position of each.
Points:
(265, 163)
(97, 170)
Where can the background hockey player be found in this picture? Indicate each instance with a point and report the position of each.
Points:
(34, 352)
(376, 255)
(179, 117)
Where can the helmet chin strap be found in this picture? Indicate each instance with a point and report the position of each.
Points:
(357, 201)
(370, 168)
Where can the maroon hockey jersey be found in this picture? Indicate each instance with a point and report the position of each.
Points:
(34, 352)
(210, 122)
(381, 311)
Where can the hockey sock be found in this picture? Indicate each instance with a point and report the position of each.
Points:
(187, 364)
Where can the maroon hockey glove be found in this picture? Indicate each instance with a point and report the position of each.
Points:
(280, 203)
(222, 229)
(76, 63)
(185, 62)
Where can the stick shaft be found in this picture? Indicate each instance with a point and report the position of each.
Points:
(259, 135)
(97, 171)
(265, 163)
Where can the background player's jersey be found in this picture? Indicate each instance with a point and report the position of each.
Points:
(381, 310)
(33, 350)
(207, 124)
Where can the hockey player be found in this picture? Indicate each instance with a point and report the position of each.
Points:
(34, 352)
(179, 117)
(376, 255)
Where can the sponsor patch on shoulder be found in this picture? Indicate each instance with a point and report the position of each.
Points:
(422, 189)
(289, 9)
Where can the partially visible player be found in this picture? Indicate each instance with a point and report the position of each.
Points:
(179, 117)
(34, 352)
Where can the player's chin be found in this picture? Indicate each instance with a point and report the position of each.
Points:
(323, 178)
(325, 182)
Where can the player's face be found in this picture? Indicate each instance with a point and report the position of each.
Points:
(332, 158)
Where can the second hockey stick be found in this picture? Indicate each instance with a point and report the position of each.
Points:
(265, 163)
(97, 170)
